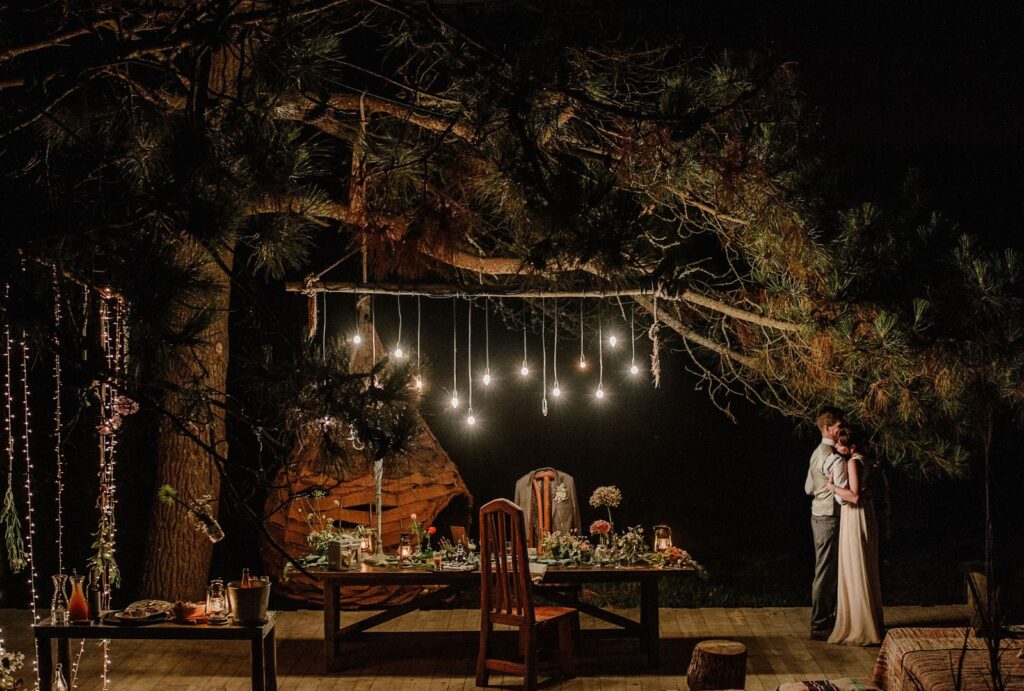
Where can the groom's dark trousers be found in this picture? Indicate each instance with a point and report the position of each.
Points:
(826, 573)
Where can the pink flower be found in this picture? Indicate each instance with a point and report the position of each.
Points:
(412, 516)
(600, 527)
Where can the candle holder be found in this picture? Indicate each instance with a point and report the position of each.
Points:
(662, 538)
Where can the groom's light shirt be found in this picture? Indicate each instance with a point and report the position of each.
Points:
(825, 463)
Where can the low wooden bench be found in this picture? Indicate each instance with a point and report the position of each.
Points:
(262, 640)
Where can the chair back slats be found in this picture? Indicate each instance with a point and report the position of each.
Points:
(542, 492)
(505, 589)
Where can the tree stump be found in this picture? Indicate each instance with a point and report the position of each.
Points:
(717, 664)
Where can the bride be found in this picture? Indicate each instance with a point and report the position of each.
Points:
(859, 610)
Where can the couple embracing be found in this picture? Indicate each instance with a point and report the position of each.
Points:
(846, 596)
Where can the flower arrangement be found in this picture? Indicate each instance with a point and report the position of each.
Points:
(10, 663)
(630, 547)
(323, 530)
(559, 545)
(423, 535)
(608, 496)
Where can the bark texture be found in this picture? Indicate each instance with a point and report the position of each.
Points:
(177, 555)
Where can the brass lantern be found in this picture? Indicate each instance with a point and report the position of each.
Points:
(405, 551)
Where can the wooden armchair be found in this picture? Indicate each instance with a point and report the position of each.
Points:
(506, 597)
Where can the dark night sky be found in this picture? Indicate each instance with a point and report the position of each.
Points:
(929, 87)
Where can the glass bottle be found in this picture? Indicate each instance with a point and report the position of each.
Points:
(59, 682)
(95, 597)
(78, 606)
(246, 579)
(59, 603)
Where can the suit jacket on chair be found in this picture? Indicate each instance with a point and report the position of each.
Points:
(565, 515)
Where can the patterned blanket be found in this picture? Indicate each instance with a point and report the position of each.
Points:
(912, 659)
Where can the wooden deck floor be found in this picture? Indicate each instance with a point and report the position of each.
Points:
(402, 660)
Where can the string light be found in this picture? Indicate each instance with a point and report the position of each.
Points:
(633, 369)
(419, 323)
(398, 353)
(373, 333)
(555, 390)
(323, 332)
(487, 345)
(612, 341)
(583, 359)
(455, 359)
(57, 427)
(357, 338)
(544, 360)
(470, 418)
(525, 369)
(30, 515)
(600, 359)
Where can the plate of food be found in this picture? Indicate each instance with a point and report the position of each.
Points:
(142, 612)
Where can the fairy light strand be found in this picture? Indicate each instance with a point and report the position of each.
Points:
(57, 426)
(29, 512)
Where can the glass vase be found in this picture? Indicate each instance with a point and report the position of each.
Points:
(59, 603)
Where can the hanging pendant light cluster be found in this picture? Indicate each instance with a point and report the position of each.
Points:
(555, 391)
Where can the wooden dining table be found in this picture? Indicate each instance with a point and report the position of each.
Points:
(559, 584)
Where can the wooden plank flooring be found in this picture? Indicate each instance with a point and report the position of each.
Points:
(436, 651)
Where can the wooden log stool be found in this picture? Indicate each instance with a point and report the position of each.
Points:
(717, 664)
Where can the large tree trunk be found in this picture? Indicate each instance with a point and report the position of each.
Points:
(178, 556)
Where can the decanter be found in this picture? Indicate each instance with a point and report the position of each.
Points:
(59, 604)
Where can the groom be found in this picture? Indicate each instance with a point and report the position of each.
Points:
(825, 464)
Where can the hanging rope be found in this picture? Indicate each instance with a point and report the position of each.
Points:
(487, 345)
(583, 359)
(525, 368)
(600, 357)
(419, 321)
(469, 361)
(455, 357)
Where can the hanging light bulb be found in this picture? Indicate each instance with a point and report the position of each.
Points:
(612, 341)
(633, 369)
(524, 370)
(471, 419)
(487, 377)
(399, 354)
(555, 391)
(599, 393)
(583, 362)
(455, 400)
(419, 383)
(357, 339)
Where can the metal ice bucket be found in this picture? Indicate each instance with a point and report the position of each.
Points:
(249, 605)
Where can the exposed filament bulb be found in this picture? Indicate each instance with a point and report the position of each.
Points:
(583, 362)
(487, 378)
(599, 393)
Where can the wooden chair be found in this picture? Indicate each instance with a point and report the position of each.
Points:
(542, 492)
(506, 597)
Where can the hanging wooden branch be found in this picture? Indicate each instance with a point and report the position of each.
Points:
(449, 290)
(655, 348)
